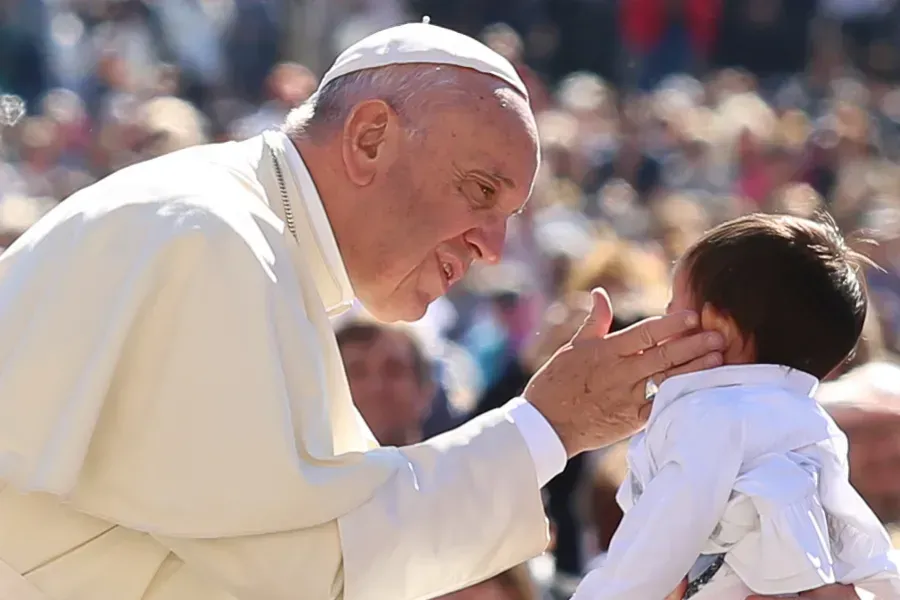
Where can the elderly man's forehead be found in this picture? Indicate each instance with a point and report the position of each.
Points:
(484, 87)
(496, 105)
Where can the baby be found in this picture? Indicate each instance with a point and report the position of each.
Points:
(740, 479)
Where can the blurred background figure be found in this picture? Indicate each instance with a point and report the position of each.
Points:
(390, 377)
(866, 404)
(515, 584)
(658, 119)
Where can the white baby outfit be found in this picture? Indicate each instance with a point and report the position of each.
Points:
(740, 462)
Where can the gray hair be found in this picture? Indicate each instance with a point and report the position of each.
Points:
(413, 91)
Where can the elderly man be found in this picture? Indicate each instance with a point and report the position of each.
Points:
(175, 422)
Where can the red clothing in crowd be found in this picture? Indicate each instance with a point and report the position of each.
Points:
(644, 22)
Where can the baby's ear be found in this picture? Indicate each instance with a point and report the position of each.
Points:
(713, 320)
(738, 347)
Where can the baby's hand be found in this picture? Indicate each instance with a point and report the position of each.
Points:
(829, 592)
(678, 592)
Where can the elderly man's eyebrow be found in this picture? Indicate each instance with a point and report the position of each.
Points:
(496, 176)
(503, 179)
(506, 181)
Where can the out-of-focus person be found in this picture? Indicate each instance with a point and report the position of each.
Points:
(287, 85)
(18, 213)
(513, 584)
(883, 226)
(668, 36)
(390, 379)
(505, 41)
(865, 403)
(629, 162)
(168, 124)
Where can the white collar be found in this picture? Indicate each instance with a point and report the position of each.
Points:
(797, 381)
(318, 220)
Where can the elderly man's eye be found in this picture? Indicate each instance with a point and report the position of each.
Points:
(483, 195)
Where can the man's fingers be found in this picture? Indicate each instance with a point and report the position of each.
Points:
(677, 354)
(648, 333)
(598, 322)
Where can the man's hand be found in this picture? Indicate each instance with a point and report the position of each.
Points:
(829, 592)
(592, 390)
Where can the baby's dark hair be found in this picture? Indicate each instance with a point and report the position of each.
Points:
(791, 284)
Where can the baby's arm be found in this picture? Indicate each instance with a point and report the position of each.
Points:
(875, 568)
(882, 571)
(662, 536)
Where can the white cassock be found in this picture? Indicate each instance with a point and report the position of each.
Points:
(741, 462)
(175, 422)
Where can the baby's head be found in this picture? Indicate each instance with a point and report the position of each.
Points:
(780, 289)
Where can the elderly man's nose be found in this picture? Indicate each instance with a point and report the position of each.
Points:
(486, 243)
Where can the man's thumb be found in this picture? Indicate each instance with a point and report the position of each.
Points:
(598, 322)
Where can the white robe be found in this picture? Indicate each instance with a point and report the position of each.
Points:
(175, 422)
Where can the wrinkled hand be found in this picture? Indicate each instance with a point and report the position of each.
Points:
(592, 390)
(829, 592)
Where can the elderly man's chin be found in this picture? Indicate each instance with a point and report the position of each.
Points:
(407, 301)
(407, 307)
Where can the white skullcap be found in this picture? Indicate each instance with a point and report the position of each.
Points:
(422, 43)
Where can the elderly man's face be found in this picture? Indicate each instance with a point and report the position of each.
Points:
(435, 200)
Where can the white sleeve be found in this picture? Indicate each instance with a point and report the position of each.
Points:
(543, 443)
(466, 507)
(662, 536)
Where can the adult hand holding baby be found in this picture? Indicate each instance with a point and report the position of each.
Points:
(592, 390)
(829, 592)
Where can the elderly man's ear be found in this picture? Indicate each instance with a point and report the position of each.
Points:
(371, 141)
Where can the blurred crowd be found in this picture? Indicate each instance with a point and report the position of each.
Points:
(658, 119)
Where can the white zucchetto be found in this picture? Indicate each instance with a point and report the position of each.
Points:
(423, 43)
